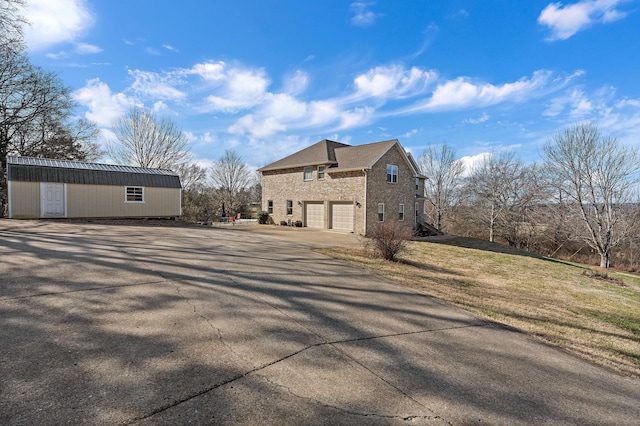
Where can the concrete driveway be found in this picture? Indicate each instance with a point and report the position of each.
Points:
(113, 324)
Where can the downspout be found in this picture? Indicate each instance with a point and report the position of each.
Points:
(364, 203)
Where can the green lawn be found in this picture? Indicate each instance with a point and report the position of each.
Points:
(567, 305)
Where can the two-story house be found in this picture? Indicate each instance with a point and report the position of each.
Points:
(332, 185)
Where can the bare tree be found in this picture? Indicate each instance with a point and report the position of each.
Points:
(501, 189)
(11, 23)
(232, 178)
(443, 174)
(192, 176)
(146, 140)
(598, 175)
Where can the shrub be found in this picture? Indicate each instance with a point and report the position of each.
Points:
(283, 223)
(263, 217)
(389, 239)
(298, 224)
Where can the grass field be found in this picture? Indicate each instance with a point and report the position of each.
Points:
(566, 305)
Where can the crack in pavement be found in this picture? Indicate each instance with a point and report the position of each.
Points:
(284, 358)
(101, 288)
(323, 342)
(357, 413)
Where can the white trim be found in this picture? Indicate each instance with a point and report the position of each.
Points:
(391, 174)
(304, 174)
(64, 200)
(378, 212)
(9, 183)
(133, 201)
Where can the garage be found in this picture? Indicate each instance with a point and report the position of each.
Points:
(314, 215)
(342, 216)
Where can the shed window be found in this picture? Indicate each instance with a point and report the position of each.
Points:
(321, 172)
(392, 173)
(308, 173)
(134, 194)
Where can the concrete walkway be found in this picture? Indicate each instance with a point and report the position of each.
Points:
(112, 324)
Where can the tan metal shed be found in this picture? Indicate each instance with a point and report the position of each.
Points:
(45, 188)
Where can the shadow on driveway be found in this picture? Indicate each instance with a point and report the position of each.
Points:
(113, 324)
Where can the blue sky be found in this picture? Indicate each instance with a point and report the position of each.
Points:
(270, 77)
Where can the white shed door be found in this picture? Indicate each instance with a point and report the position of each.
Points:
(53, 200)
(342, 217)
(315, 215)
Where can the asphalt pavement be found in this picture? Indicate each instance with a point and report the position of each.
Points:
(104, 324)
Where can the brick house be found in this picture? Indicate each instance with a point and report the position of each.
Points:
(332, 185)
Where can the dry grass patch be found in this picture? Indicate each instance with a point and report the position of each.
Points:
(596, 319)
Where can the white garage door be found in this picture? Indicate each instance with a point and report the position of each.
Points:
(342, 217)
(315, 215)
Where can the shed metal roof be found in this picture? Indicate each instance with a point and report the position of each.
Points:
(30, 169)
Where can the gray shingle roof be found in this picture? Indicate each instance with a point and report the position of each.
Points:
(32, 169)
(338, 156)
(319, 153)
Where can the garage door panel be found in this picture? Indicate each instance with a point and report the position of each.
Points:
(314, 215)
(342, 217)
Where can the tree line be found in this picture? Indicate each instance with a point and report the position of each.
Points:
(580, 201)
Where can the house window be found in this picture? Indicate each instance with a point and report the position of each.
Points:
(401, 212)
(381, 212)
(392, 173)
(308, 173)
(270, 206)
(289, 207)
(134, 194)
(417, 184)
(321, 172)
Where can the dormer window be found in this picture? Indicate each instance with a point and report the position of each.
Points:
(321, 172)
(308, 173)
(392, 173)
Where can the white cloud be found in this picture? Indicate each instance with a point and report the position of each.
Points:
(209, 71)
(356, 117)
(462, 93)
(56, 21)
(410, 133)
(155, 85)
(257, 128)
(57, 56)
(170, 48)
(103, 106)
(626, 102)
(575, 101)
(87, 49)
(393, 81)
(477, 120)
(471, 162)
(363, 17)
(565, 21)
(242, 89)
(296, 83)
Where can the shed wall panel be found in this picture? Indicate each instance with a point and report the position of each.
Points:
(108, 201)
(25, 200)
